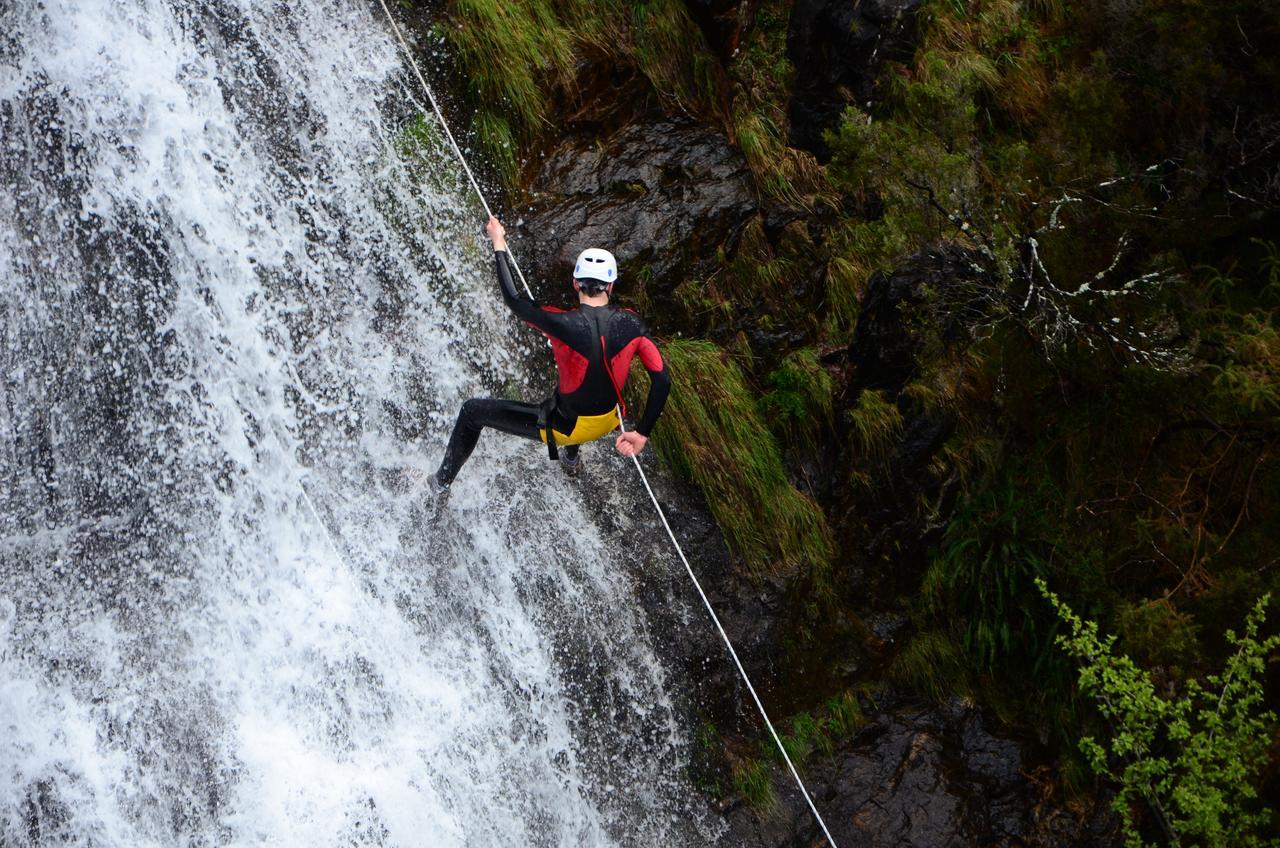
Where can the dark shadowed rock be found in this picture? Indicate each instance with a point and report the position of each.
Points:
(883, 350)
(930, 778)
(662, 196)
(936, 295)
(886, 339)
(722, 22)
(837, 47)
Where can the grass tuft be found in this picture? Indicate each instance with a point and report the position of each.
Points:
(846, 280)
(876, 423)
(522, 57)
(933, 666)
(493, 132)
(712, 433)
(751, 781)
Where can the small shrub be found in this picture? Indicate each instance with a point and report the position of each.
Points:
(1158, 634)
(1195, 757)
(799, 399)
(1251, 373)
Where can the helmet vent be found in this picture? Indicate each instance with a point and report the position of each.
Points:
(596, 264)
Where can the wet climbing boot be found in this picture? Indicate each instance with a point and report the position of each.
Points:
(439, 491)
(571, 467)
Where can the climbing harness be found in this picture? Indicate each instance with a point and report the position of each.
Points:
(587, 429)
(408, 52)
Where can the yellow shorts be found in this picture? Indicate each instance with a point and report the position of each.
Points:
(587, 429)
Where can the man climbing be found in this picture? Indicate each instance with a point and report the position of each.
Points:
(593, 347)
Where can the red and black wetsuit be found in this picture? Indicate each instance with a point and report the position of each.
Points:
(593, 348)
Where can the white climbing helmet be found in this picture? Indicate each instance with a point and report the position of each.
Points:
(595, 263)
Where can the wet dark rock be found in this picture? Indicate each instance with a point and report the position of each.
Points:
(888, 334)
(922, 778)
(883, 350)
(922, 437)
(838, 48)
(664, 196)
(722, 22)
(933, 296)
(887, 626)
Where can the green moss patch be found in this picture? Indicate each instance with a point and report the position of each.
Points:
(713, 433)
(522, 58)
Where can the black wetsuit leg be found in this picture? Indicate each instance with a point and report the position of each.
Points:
(509, 416)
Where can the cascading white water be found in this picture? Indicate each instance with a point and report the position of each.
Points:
(234, 264)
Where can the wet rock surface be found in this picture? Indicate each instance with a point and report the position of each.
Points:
(838, 49)
(922, 778)
(722, 22)
(885, 342)
(935, 285)
(684, 635)
(663, 195)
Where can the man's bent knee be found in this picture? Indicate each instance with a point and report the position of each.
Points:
(471, 415)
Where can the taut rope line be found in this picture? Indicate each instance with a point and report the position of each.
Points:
(408, 52)
(435, 107)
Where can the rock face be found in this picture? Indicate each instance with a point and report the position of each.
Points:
(935, 287)
(837, 47)
(663, 196)
(883, 350)
(932, 778)
(722, 22)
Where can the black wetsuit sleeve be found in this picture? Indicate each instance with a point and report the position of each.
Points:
(659, 388)
(525, 308)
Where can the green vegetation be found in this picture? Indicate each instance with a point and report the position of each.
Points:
(798, 402)
(811, 734)
(807, 737)
(751, 781)
(1094, 391)
(1124, 464)
(1193, 756)
(932, 665)
(875, 423)
(524, 61)
(714, 434)
(986, 565)
(705, 770)
(819, 732)
(761, 86)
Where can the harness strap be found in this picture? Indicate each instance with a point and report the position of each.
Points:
(622, 405)
(546, 422)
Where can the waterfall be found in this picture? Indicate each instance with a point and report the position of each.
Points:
(243, 290)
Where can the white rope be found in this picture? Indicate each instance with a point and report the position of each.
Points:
(643, 477)
(728, 644)
(448, 134)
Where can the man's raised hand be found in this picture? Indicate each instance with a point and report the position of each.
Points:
(496, 232)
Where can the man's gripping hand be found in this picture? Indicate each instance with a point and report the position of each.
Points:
(631, 443)
(496, 232)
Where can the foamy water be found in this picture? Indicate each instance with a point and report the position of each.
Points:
(229, 276)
